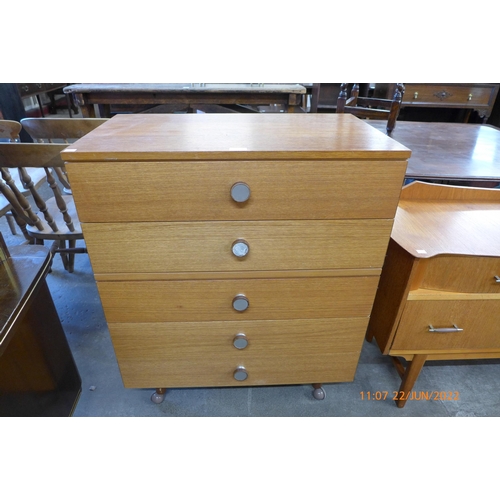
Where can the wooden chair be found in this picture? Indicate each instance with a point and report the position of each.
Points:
(57, 130)
(9, 132)
(56, 218)
(370, 107)
(60, 130)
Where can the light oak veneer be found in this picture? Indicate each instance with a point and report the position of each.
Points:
(154, 195)
(442, 272)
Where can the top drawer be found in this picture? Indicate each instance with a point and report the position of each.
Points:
(278, 190)
(448, 95)
(462, 274)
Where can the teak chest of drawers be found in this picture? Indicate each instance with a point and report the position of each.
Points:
(236, 249)
(439, 293)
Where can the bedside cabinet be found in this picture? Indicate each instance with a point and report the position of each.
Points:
(439, 293)
(237, 249)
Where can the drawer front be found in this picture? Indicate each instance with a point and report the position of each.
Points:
(447, 95)
(213, 300)
(462, 274)
(203, 354)
(201, 191)
(479, 320)
(236, 246)
(27, 89)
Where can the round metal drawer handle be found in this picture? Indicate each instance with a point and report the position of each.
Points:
(470, 97)
(240, 248)
(240, 303)
(497, 279)
(240, 341)
(240, 192)
(240, 373)
(415, 95)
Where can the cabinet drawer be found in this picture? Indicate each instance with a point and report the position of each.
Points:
(479, 320)
(464, 274)
(203, 354)
(196, 191)
(165, 247)
(27, 89)
(212, 300)
(448, 95)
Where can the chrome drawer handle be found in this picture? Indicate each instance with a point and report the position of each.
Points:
(240, 341)
(240, 373)
(497, 279)
(470, 97)
(415, 95)
(445, 330)
(240, 248)
(240, 303)
(240, 192)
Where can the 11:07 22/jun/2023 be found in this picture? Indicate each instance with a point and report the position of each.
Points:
(410, 395)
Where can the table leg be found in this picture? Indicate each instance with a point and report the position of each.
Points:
(409, 378)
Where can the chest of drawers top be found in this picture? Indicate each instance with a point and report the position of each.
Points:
(165, 137)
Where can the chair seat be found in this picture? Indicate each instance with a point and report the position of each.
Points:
(63, 232)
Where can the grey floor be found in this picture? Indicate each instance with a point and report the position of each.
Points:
(476, 383)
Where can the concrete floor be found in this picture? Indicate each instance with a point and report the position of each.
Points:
(477, 383)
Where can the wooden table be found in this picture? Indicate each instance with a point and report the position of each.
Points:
(449, 151)
(38, 376)
(108, 94)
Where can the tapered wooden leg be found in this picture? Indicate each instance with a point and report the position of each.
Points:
(409, 378)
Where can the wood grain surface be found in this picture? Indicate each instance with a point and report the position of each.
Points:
(211, 300)
(235, 136)
(207, 246)
(202, 354)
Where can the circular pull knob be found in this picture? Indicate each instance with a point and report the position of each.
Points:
(240, 303)
(240, 248)
(240, 192)
(415, 95)
(240, 373)
(240, 341)
(470, 97)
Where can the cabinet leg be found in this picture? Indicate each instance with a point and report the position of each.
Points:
(158, 396)
(409, 378)
(319, 392)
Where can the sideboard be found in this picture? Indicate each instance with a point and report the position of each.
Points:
(478, 97)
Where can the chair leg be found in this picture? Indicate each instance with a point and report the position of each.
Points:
(71, 256)
(64, 256)
(11, 223)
